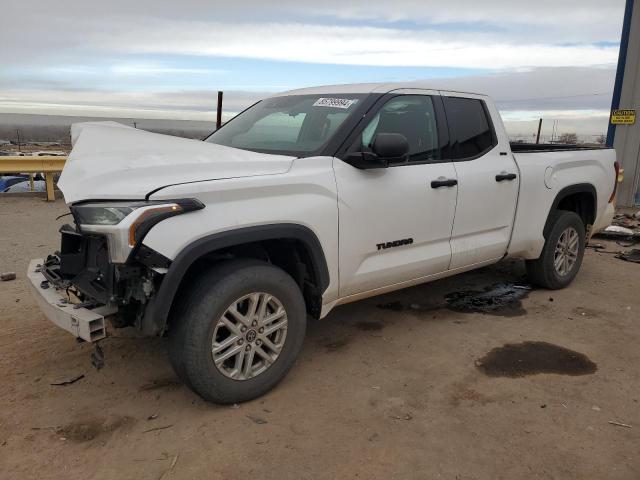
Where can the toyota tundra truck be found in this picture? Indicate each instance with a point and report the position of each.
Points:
(307, 200)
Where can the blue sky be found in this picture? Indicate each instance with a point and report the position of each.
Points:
(166, 59)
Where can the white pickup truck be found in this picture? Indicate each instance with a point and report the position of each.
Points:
(306, 200)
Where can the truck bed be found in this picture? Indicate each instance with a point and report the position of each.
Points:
(545, 171)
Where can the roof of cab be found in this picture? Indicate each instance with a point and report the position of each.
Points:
(369, 88)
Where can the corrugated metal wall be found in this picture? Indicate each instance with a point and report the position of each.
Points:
(627, 137)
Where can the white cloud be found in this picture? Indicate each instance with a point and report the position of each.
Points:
(461, 33)
(44, 43)
(550, 21)
(565, 13)
(347, 45)
(571, 88)
(152, 69)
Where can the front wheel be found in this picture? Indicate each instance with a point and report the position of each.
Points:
(562, 254)
(238, 332)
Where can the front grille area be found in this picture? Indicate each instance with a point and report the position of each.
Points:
(82, 263)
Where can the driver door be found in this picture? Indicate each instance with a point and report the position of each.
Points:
(395, 223)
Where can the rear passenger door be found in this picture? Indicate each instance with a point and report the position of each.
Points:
(488, 180)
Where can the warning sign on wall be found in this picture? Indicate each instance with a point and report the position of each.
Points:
(623, 117)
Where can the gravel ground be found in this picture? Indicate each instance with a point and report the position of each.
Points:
(404, 391)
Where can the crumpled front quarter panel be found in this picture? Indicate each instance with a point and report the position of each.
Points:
(306, 195)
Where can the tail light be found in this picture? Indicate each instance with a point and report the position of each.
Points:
(616, 166)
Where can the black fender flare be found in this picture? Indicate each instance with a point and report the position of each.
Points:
(565, 192)
(157, 311)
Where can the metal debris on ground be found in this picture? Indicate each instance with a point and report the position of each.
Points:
(617, 231)
(157, 428)
(624, 226)
(256, 419)
(406, 416)
(629, 241)
(609, 252)
(630, 256)
(170, 469)
(618, 424)
(628, 220)
(97, 357)
(68, 382)
(5, 277)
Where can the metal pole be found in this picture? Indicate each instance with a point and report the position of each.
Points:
(219, 111)
(18, 133)
(539, 128)
(622, 60)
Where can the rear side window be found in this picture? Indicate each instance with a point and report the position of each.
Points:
(469, 127)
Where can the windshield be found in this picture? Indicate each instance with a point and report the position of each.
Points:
(296, 125)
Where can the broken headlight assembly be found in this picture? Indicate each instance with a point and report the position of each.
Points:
(125, 224)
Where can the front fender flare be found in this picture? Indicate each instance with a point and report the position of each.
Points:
(157, 311)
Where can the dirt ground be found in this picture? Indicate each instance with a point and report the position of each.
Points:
(398, 392)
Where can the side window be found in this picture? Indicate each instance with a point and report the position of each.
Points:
(469, 127)
(412, 116)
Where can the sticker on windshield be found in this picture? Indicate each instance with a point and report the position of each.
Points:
(335, 102)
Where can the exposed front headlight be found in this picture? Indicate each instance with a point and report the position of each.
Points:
(103, 213)
(126, 223)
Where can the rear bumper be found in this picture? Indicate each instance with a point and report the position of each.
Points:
(604, 220)
(85, 323)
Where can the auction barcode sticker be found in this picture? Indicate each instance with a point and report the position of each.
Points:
(335, 102)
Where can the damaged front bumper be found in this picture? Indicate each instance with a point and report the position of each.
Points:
(103, 268)
(79, 286)
(86, 322)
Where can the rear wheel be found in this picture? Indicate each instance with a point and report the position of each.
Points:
(239, 331)
(562, 254)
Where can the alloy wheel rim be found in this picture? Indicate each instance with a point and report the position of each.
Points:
(249, 336)
(566, 252)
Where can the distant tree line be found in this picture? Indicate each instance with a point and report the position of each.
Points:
(568, 138)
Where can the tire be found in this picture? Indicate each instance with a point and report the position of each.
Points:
(544, 272)
(218, 304)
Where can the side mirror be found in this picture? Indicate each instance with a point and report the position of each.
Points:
(386, 148)
(392, 147)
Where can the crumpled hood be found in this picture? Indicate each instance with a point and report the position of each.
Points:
(113, 161)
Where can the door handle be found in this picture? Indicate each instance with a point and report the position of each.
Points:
(445, 182)
(501, 177)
